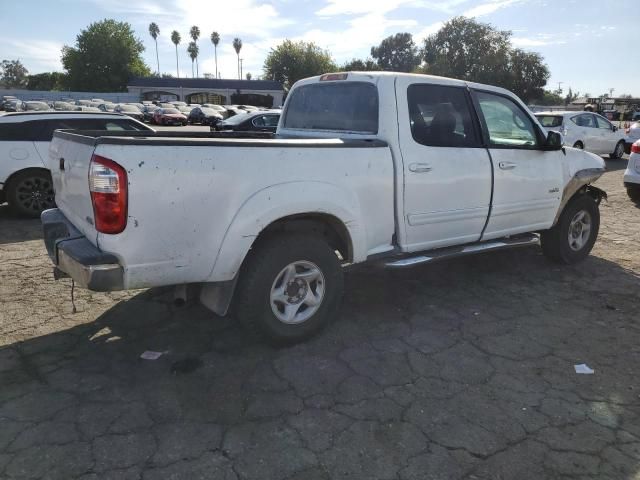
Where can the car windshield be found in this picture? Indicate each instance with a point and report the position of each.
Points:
(550, 121)
(348, 107)
(170, 110)
(129, 108)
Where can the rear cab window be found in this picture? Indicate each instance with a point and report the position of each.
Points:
(349, 107)
(550, 121)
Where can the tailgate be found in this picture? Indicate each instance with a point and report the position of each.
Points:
(69, 160)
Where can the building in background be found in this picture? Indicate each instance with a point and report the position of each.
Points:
(262, 93)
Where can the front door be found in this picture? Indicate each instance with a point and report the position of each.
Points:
(447, 172)
(527, 180)
(607, 139)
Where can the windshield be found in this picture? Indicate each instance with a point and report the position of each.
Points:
(170, 110)
(36, 106)
(129, 108)
(550, 121)
(348, 107)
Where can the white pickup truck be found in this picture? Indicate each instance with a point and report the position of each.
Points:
(397, 169)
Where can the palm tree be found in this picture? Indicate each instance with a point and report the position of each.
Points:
(237, 46)
(175, 38)
(193, 51)
(215, 39)
(154, 31)
(195, 34)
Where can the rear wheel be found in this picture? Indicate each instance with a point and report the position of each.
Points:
(31, 192)
(573, 237)
(579, 145)
(290, 288)
(618, 152)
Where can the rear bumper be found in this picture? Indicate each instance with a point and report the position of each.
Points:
(75, 256)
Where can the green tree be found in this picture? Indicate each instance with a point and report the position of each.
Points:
(47, 81)
(237, 46)
(549, 98)
(215, 39)
(291, 61)
(470, 50)
(106, 55)
(154, 31)
(193, 50)
(527, 74)
(397, 53)
(357, 65)
(175, 39)
(194, 32)
(13, 74)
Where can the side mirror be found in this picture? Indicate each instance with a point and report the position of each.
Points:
(615, 129)
(554, 141)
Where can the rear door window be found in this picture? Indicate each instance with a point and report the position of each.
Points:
(584, 120)
(339, 106)
(441, 116)
(20, 131)
(550, 121)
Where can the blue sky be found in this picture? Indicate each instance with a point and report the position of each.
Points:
(588, 44)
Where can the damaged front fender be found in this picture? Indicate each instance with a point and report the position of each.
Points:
(581, 182)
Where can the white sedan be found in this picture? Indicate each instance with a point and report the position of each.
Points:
(632, 135)
(586, 130)
(632, 174)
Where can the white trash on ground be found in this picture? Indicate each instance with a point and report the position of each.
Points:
(584, 369)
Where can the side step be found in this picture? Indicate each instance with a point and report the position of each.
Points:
(410, 260)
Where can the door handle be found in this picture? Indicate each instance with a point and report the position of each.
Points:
(419, 167)
(507, 165)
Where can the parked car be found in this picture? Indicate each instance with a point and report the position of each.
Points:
(184, 109)
(147, 112)
(4, 99)
(632, 134)
(386, 168)
(12, 105)
(25, 182)
(63, 106)
(166, 105)
(107, 107)
(218, 108)
(257, 121)
(129, 110)
(585, 130)
(204, 116)
(169, 116)
(632, 173)
(82, 108)
(32, 106)
(233, 111)
(179, 104)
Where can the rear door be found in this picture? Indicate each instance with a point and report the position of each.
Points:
(17, 148)
(447, 172)
(527, 179)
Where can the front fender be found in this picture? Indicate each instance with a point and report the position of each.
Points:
(278, 201)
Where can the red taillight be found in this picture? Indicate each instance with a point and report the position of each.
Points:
(635, 148)
(108, 187)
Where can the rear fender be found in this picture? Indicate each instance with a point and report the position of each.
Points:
(283, 200)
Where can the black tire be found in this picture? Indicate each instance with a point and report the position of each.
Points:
(579, 145)
(618, 152)
(556, 243)
(30, 192)
(634, 193)
(260, 273)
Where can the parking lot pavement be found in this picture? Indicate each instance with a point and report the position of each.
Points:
(456, 370)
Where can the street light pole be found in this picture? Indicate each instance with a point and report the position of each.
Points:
(241, 69)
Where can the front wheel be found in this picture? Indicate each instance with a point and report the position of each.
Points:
(290, 288)
(579, 145)
(573, 237)
(618, 152)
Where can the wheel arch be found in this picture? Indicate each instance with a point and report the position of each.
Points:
(22, 171)
(323, 208)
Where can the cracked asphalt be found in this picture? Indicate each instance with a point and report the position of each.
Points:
(456, 370)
